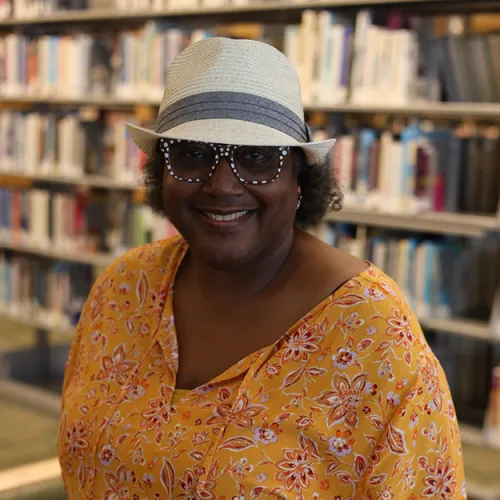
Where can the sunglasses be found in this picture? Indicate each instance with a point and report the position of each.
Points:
(192, 161)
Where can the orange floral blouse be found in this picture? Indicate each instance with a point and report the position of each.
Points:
(350, 403)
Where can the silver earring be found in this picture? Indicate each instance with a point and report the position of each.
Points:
(299, 202)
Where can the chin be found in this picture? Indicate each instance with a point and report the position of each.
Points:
(225, 256)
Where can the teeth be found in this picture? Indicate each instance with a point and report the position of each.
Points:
(233, 216)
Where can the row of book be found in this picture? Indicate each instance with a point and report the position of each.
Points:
(339, 58)
(392, 59)
(441, 277)
(26, 9)
(74, 222)
(413, 168)
(51, 292)
(365, 59)
(419, 167)
(128, 64)
(69, 144)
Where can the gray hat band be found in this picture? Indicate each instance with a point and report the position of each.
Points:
(233, 106)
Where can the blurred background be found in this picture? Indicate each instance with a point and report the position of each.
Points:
(411, 88)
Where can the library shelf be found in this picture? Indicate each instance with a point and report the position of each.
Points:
(95, 181)
(37, 322)
(451, 110)
(429, 222)
(94, 259)
(17, 481)
(22, 479)
(255, 11)
(475, 436)
(458, 326)
(477, 491)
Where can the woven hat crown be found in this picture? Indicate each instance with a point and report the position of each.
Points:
(226, 91)
(227, 65)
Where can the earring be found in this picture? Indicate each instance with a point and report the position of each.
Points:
(299, 202)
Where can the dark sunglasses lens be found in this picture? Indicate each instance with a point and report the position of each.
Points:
(258, 163)
(191, 160)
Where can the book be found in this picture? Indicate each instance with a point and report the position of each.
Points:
(419, 167)
(55, 217)
(70, 144)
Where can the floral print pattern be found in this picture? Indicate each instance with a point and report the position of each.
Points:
(350, 403)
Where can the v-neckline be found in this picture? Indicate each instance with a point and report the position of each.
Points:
(243, 365)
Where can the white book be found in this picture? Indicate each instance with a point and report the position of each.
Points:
(338, 91)
(347, 145)
(363, 21)
(13, 85)
(32, 151)
(120, 150)
(369, 92)
(384, 180)
(394, 199)
(44, 65)
(323, 85)
(291, 47)
(309, 55)
(39, 218)
(379, 254)
(57, 221)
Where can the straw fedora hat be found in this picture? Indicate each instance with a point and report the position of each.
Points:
(238, 92)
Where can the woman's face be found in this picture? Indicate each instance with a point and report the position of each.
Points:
(263, 222)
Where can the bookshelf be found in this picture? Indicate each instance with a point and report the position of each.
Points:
(444, 110)
(256, 11)
(92, 259)
(463, 225)
(437, 222)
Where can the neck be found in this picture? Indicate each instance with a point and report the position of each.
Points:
(245, 282)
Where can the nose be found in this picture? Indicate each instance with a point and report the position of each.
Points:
(223, 181)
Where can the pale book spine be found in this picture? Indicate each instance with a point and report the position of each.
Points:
(322, 89)
(345, 170)
(369, 93)
(309, 43)
(338, 40)
(394, 201)
(384, 173)
(363, 21)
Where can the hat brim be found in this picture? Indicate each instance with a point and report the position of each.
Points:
(225, 131)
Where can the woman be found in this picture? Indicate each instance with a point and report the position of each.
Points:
(245, 358)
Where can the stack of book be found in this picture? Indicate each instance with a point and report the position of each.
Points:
(128, 65)
(55, 292)
(441, 277)
(419, 167)
(64, 220)
(69, 144)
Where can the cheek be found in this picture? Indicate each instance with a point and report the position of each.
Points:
(175, 194)
(282, 194)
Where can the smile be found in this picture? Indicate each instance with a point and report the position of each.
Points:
(226, 217)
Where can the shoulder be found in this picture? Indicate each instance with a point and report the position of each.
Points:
(135, 281)
(370, 318)
(161, 254)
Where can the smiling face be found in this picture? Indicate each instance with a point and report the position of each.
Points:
(227, 223)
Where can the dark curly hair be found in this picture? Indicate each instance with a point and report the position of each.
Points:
(319, 188)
